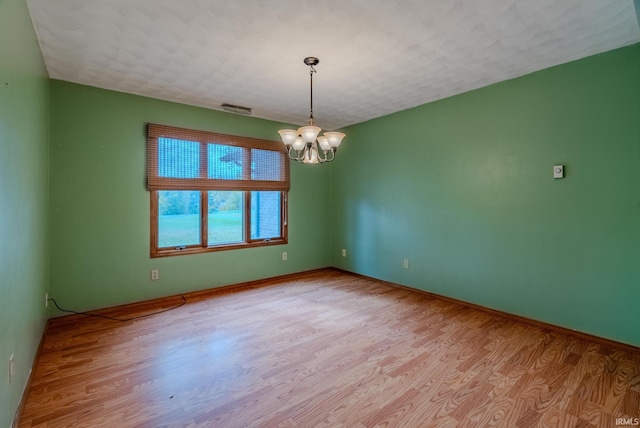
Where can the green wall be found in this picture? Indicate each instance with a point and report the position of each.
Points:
(24, 159)
(100, 205)
(463, 188)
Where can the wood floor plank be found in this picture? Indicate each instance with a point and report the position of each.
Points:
(324, 349)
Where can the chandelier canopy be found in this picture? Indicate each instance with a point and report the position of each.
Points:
(304, 145)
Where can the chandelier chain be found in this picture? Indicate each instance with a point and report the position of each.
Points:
(311, 118)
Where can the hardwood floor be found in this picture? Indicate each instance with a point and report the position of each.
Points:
(326, 349)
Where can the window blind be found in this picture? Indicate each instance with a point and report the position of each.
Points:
(185, 159)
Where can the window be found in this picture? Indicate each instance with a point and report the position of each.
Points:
(212, 192)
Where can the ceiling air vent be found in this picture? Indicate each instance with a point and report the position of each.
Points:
(236, 109)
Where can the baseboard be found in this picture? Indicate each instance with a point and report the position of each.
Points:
(128, 309)
(535, 323)
(27, 386)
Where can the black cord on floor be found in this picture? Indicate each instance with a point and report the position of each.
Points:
(184, 301)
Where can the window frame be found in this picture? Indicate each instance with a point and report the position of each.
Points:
(203, 185)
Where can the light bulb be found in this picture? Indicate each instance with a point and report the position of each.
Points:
(288, 136)
(309, 133)
(334, 138)
(324, 143)
(298, 144)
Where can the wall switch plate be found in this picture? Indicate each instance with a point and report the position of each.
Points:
(46, 300)
(344, 252)
(284, 255)
(155, 274)
(558, 171)
(10, 368)
(406, 264)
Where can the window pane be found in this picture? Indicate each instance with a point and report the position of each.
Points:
(225, 217)
(266, 165)
(265, 215)
(225, 162)
(178, 218)
(178, 158)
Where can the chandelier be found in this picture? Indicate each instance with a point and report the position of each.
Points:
(304, 145)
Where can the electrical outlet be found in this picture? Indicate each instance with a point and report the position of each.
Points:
(406, 264)
(10, 368)
(46, 300)
(155, 274)
(284, 255)
(344, 252)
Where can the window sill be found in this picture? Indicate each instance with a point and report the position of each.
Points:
(170, 252)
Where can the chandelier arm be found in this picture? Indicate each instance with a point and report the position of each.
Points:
(328, 158)
(333, 155)
(328, 155)
(322, 159)
(297, 157)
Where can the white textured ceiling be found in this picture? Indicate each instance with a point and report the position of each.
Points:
(376, 56)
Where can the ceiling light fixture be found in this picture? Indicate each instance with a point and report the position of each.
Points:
(304, 145)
